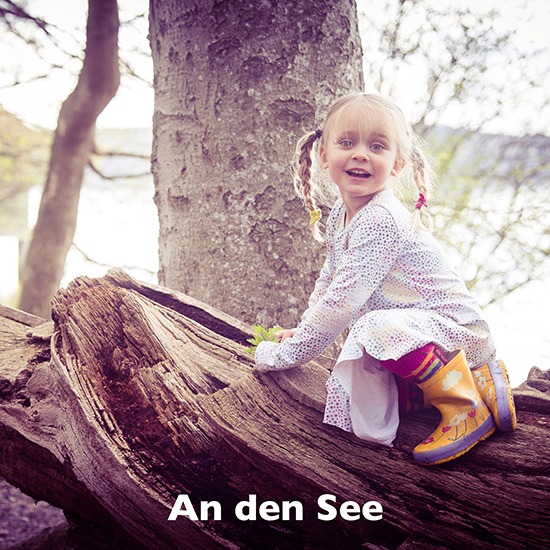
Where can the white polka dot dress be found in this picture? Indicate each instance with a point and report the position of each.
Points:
(390, 284)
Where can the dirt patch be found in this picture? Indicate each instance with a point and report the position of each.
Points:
(22, 519)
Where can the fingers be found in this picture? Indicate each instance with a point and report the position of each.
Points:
(285, 334)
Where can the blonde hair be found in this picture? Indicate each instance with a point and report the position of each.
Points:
(409, 152)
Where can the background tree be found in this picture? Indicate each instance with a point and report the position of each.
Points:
(495, 213)
(71, 149)
(236, 83)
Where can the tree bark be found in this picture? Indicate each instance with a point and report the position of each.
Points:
(71, 149)
(236, 83)
(135, 394)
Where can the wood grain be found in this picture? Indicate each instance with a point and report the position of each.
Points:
(135, 394)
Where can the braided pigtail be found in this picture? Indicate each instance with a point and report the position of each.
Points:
(421, 174)
(303, 181)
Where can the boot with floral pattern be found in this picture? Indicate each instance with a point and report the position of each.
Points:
(465, 419)
(492, 384)
(494, 387)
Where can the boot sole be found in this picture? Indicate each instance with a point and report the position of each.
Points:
(506, 417)
(457, 448)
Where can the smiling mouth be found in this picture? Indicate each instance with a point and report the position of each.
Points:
(358, 174)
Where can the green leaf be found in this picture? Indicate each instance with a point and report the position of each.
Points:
(262, 335)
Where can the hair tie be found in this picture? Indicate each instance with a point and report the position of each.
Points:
(315, 216)
(318, 134)
(421, 201)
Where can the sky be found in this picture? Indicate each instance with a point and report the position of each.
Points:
(37, 104)
(504, 80)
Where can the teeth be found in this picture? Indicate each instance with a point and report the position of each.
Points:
(359, 173)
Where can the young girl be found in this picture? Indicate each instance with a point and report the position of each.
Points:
(386, 280)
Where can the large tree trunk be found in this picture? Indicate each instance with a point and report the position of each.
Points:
(71, 149)
(236, 83)
(136, 394)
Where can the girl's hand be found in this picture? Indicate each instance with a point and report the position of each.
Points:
(263, 335)
(284, 334)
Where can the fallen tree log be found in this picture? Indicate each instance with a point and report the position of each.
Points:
(135, 394)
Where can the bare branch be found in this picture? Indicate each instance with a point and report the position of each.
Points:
(8, 8)
(104, 176)
(88, 258)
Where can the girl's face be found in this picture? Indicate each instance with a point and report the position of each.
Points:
(360, 154)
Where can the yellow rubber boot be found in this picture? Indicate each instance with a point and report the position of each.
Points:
(465, 419)
(494, 387)
(493, 384)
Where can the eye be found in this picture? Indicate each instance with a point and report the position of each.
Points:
(345, 142)
(377, 147)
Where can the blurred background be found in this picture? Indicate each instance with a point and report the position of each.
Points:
(473, 76)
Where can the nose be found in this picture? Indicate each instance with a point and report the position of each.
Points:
(360, 152)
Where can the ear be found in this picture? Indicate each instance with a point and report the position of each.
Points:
(397, 167)
(323, 157)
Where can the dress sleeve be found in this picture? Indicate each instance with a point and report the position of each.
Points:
(374, 243)
(321, 285)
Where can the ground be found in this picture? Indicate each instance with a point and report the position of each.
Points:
(22, 519)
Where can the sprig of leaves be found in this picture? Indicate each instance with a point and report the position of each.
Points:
(262, 334)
